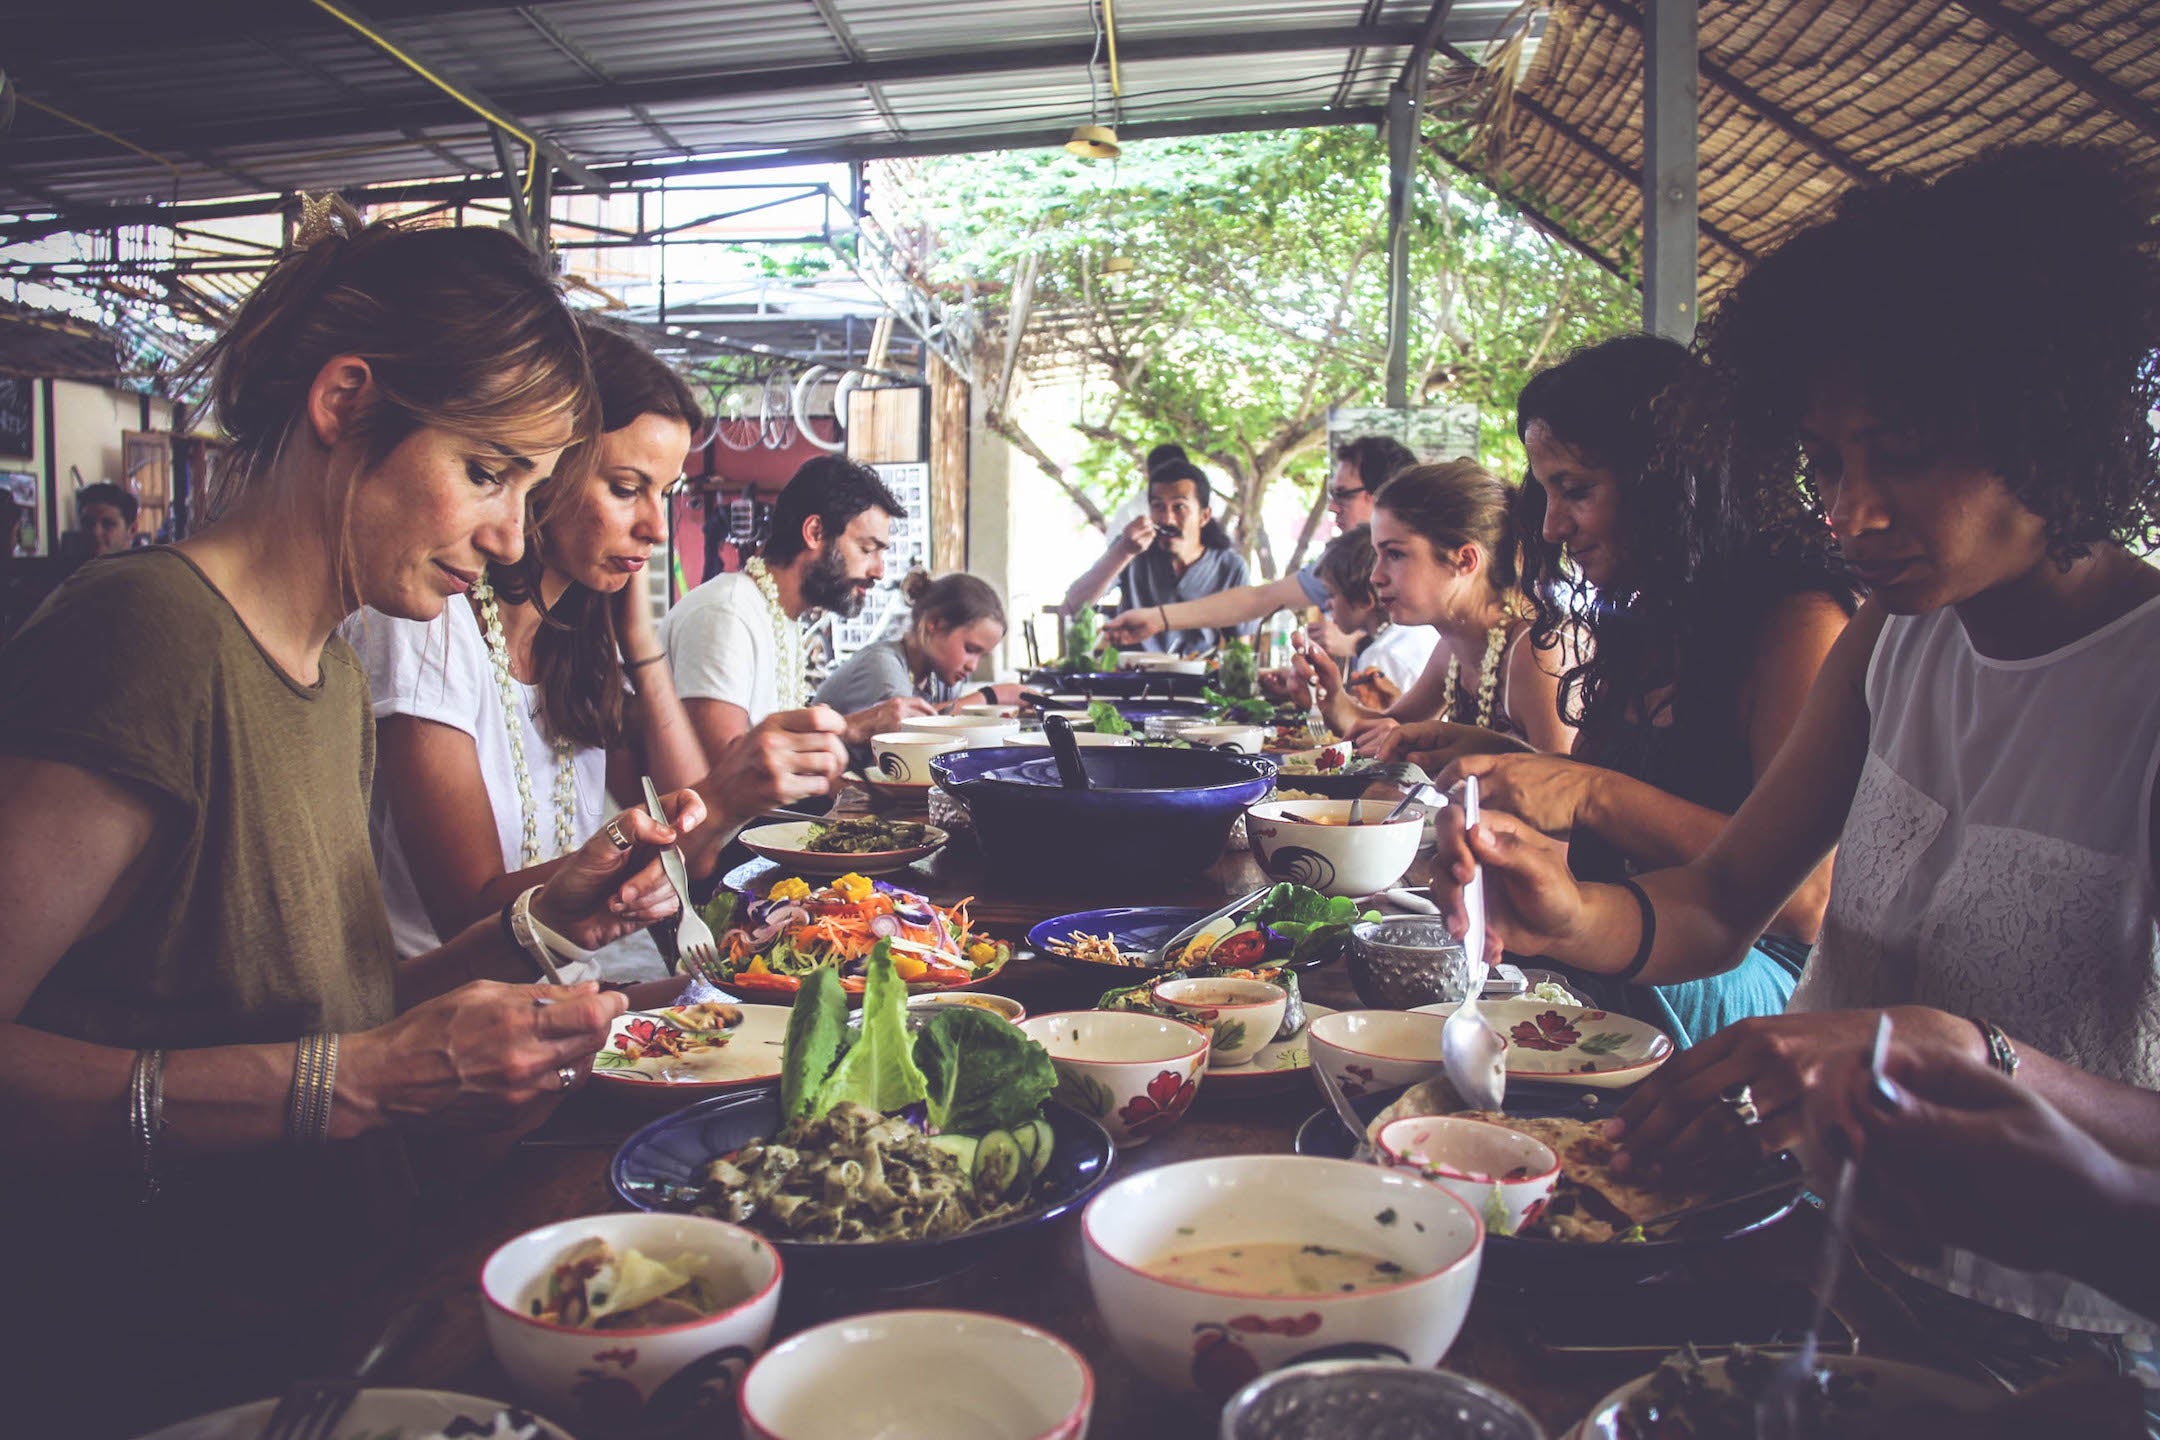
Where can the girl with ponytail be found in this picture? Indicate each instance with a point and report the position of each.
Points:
(956, 620)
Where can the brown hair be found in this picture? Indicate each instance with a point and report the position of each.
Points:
(1458, 503)
(577, 658)
(1347, 564)
(461, 328)
(952, 600)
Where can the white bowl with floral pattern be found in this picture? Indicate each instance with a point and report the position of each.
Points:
(1132, 1072)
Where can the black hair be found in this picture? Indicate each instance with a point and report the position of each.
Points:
(835, 490)
(1347, 565)
(1212, 534)
(2004, 311)
(1166, 454)
(1695, 581)
(1376, 458)
(106, 493)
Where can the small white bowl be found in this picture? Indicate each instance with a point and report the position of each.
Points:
(1245, 739)
(667, 1370)
(1473, 1160)
(1078, 719)
(1311, 842)
(1243, 1015)
(902, 757)
(1082, 738)
(976, 730)
(1001, 712)
(1160, 662)
(919, 1375)
(1369, 1050)
(1212, 1341)
(1135, 1073)
(1004, 1007)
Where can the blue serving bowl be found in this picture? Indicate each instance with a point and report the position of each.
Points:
(1114, 684)
(1148, 814)
(667, 1159)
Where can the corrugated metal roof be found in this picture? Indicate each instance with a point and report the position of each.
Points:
(231, 95)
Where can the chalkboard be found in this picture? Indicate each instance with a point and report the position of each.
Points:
(17, 433)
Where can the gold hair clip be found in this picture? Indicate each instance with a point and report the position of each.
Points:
(318, 219)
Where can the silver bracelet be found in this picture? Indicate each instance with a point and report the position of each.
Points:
(314, 1087)
(146, 1114)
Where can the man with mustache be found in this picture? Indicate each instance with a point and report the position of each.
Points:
(1176, 552)
(735, 643)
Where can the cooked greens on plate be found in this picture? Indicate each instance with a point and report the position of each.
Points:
(865, 835)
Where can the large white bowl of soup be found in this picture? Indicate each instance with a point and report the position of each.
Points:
(1209, 1272)
(637, 1320)
(1312, 842)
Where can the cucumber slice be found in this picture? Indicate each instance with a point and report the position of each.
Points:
(1045, 1142)
(1000, 1169)
(1029, 1142)
(962, 1148)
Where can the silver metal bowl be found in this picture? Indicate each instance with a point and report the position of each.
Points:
(1329, 1399)
(1409, 960)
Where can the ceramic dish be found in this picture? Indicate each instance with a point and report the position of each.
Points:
(1135, 1073)
(1004, 1007)
(751, 1055)
(919, 1375)
(974, 729)
(1532, 1262)
(1311, 842)
(1569, 1044)
(373, 1413)
(1280, 1065)
(1504, 1175)
(668, 1157)
(889, 794)
(1877, 1386)
(1241, 1015)
(658, 1376)
(1136, 929)
(1370, 1050)
(1372, 1397)
(783, 845)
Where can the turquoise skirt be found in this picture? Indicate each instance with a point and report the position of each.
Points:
(1694, 1010)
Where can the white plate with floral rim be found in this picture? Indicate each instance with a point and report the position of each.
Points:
(783, 845)
(1878, 1396)
(749, 1054)
(1571, 1044)
(377, 1413)
(1280, 1065)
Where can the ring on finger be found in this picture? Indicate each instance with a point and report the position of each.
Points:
(615, 835)
(1740, 1099)
(567, 1074)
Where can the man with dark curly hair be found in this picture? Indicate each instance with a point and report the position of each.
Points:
(1965, 370)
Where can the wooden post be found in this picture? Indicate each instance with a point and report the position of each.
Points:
(1669, 212)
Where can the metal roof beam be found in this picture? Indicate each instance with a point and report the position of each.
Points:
(2111, 95)
(725, 85)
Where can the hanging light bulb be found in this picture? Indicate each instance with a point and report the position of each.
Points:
(1118, 265)
(1094, 142)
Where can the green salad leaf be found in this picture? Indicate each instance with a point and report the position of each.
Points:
(816, 1034)
(1308, 919)
(1107, 719)
(984, 1072)
(719, 912)
(878, 1071)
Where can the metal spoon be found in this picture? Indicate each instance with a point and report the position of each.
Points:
(1072, 772)
(1474, 1053)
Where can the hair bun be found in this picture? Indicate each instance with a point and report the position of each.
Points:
(915, 586)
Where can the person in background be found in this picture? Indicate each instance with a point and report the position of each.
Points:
(1362, 467)
(954, 621)
(196, 933)
(106, 513)
(1703, 638)
(1981, 744)
(735, 643)
(1173, 553)
(1447, 554)
(1387, 658)
(504, 725)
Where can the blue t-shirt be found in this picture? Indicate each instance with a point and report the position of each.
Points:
(1153, 579)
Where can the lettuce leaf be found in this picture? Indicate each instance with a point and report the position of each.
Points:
(1308, 919)
(983, 1072)
(816, 1033)
(1109, 720)
(878, 1072)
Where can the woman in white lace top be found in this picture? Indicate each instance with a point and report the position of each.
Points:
(1966, 367)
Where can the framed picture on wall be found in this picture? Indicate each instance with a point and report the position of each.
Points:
(17, 436)
(28, 490)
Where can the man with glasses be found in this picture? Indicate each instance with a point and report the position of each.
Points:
(1362, 467)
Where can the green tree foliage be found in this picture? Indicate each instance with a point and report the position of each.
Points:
(1256, 298)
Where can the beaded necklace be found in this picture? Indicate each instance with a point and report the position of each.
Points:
(788, 685)
(1488, 676)
(565, 793)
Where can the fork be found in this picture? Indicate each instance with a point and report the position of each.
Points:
(693, 937)
(311, 1409)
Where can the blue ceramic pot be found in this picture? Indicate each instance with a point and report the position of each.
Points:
(1147, 814)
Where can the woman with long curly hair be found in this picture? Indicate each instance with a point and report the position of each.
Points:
(1702, 640)
(1966, 366)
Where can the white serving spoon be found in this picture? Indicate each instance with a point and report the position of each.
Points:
(1475, 1054)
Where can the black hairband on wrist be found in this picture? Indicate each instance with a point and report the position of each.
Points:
(1649, 931)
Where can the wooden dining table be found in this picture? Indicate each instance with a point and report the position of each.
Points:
(560, 1171)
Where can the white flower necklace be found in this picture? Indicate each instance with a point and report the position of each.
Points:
(565, 794)
(788, 685)
(1488, 676)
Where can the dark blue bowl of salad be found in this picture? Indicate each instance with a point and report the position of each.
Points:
(1147, 813)
(662, 1167)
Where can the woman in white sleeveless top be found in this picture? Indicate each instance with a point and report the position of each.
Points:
(1964, 366)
